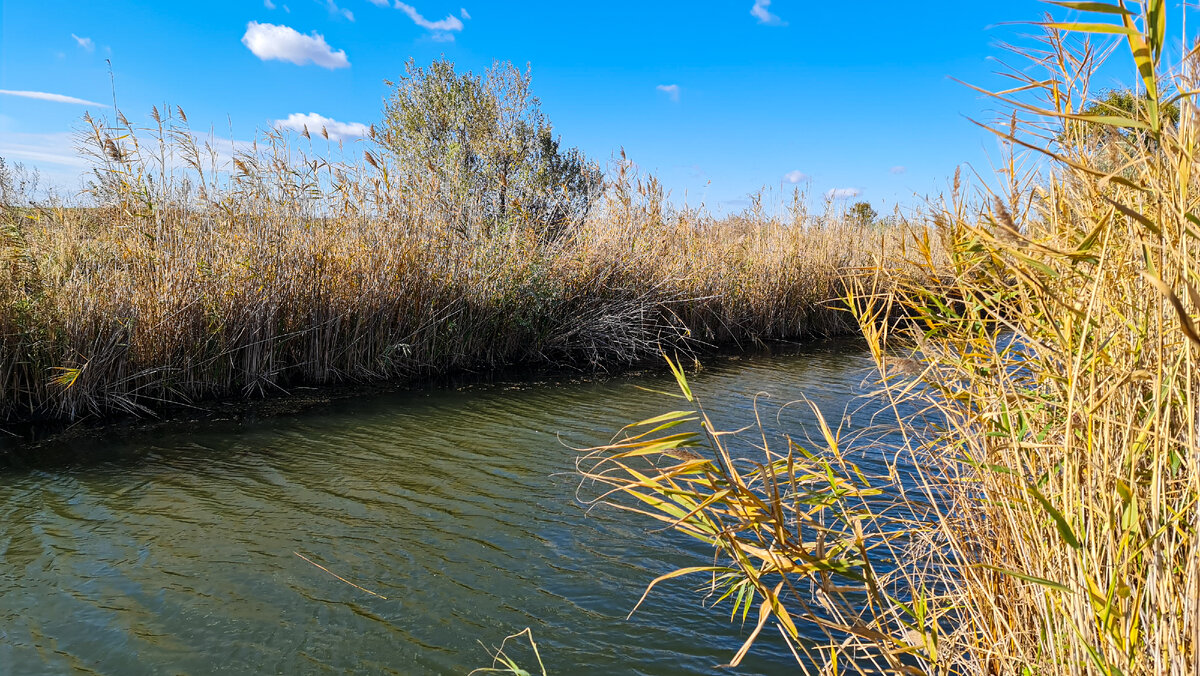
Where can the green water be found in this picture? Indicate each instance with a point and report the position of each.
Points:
(172, 550)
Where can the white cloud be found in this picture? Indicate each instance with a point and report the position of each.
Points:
(57, 149)
(380, 3)
(85, 43)
(761, 12)
(338, 131)
(795, 176)
(45, 96)
(60, 159)
(58, 166)
(268, 4)
(671, 90)
(268, 41)
(450, 23)
(842, 193)
(463, 11)
(334, 9)
(898, 170)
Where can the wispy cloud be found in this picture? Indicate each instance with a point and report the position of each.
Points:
(57, 148)
(85, 43)
(57, 165)
(463, 11)
(842, 193)
(671, 90)
(314, 123)
(380, 3)
(443, 29)
(46, 96)
(898, 170)
(334, 9)
(761, 11)
(268, 4)
(268, 41)
(795, 176)
(62, 157)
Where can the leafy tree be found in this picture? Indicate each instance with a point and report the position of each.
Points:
(862, 213)
(1121, 103)
(490, 147)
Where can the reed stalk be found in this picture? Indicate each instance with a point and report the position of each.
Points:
(197, 271)
(1044, 379)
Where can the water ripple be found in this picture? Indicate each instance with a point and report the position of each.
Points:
(177, 555)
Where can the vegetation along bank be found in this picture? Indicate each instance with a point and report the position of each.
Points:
(460, 235)
(1040, 514)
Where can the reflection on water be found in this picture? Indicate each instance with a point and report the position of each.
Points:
(174, 551)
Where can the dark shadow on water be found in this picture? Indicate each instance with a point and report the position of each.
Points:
(48, 444)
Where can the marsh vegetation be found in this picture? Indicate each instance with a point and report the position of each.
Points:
(460, 234)
(1035, 342)
(1041, 514)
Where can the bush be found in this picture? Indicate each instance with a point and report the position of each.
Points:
(490, 151)
(862, 213)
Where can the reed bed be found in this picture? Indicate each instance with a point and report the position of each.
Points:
(1042, 514)
(192, 273)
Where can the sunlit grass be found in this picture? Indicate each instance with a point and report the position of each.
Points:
(196, 275)
(1045, 379)
(503, 663)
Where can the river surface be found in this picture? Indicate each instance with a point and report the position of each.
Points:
(176, 549)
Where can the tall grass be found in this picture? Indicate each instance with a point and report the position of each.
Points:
(1045, 380)
(197, 271)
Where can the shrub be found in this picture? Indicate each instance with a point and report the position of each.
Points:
(862, 213)
(488, 147)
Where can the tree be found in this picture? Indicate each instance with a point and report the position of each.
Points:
(1121, 103)
(862, 213)
(492, 152)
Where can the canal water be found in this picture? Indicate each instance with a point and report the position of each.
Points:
(450, 515)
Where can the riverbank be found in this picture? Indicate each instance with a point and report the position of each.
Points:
(184, 287)
(52, 443)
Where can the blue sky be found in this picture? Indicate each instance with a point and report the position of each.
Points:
(717, 98)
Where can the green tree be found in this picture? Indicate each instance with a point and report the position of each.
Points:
(492, 151)
(1121, 103)
(862, 213)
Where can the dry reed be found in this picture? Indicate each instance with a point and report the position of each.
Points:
(195, 273)
(1045, 380)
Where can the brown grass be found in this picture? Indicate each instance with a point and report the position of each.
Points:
(195, 275)
(1046, 386)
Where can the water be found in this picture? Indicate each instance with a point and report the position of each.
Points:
(173, 550)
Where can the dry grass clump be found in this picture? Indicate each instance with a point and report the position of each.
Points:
(1067, 468)
(1048, 515)
(198, 273)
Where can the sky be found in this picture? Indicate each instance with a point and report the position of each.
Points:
(719, 99)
